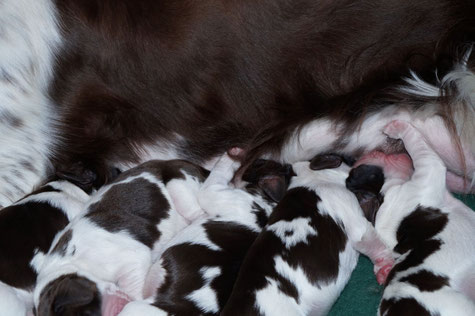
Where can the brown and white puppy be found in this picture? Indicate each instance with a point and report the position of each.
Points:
(115, 82)
(27, 227)
(196, 273)
(430, 231)
(304, 257)
(114, 243)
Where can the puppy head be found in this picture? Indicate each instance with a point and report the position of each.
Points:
(69, 294)
(270, 176)
(366, 181)
(330, 161)
(85, 177)
(395, 166)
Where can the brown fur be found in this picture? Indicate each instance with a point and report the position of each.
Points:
(219, 73)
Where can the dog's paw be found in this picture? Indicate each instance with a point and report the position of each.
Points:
(395, 129)
(382, 267)
(236, 153)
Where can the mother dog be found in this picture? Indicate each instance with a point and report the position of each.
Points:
(116, 82)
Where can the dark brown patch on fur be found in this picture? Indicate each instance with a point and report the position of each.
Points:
(23, 229)
(136, 207)
(25, 164)
(136, 73)
(318, 258)
(366, 182)
(6, 117)
(416, 234)
(63, 242)
(418, 227)
(426, 281)
(183, 263)
(269, 178)
(325, 161)
(403, 306)
(70, 295)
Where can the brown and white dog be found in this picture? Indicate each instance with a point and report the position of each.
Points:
(113, 244)
(26, 228)
(301, 261)
(430, 231)
(197, 269)
(116, 83)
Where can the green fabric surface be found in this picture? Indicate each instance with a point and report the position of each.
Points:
(362, 294)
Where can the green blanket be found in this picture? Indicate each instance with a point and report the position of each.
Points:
(362, 294)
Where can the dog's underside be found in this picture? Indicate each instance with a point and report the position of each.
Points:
(114, 82)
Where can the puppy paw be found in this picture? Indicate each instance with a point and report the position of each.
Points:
(236, 153)
(382, 267)
(395, 129)
(114, 302)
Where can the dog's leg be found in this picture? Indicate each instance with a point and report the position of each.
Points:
(366, 240)
(29, 38)
(184, 194)
(216, 186)
(429, 178)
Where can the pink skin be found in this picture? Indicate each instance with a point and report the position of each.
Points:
(383, 272)
(458, 184)
(394, 165)
(114, 303)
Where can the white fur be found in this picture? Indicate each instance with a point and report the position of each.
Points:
(28, 40)
(342, 206)
(118, 260)
(71, 200)
(103, 257)
(299, 226)
(13, 303)
(220, 202)
(205, 297)
(456, 257)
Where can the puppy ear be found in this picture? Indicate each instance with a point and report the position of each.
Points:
(325, 161)
(77, 174)
(274, 186)
(370, 204)
(70, 295)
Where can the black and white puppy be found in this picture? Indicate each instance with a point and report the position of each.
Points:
(113, 244)
(432, 233)
(304, 257)
(196, 272)
(27, 227)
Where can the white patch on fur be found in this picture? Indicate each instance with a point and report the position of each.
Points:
(162, 150)
(13, 302)
(71, 199)
(100, 256)
(205, 297)
(314, 299)
(456, 257)
(28, 41)
(141, 308)
(271, 301)
(184, 194)
(299, 228)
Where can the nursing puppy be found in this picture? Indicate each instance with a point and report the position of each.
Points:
(27, 227)
(101, 80)
(304, 257)
(113, 244)
(197, 270)
(430, 231)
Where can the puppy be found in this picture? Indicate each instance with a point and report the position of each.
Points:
(303, 258)
(27, 227)
(430, 231)
(113, 244)
(198, 269)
